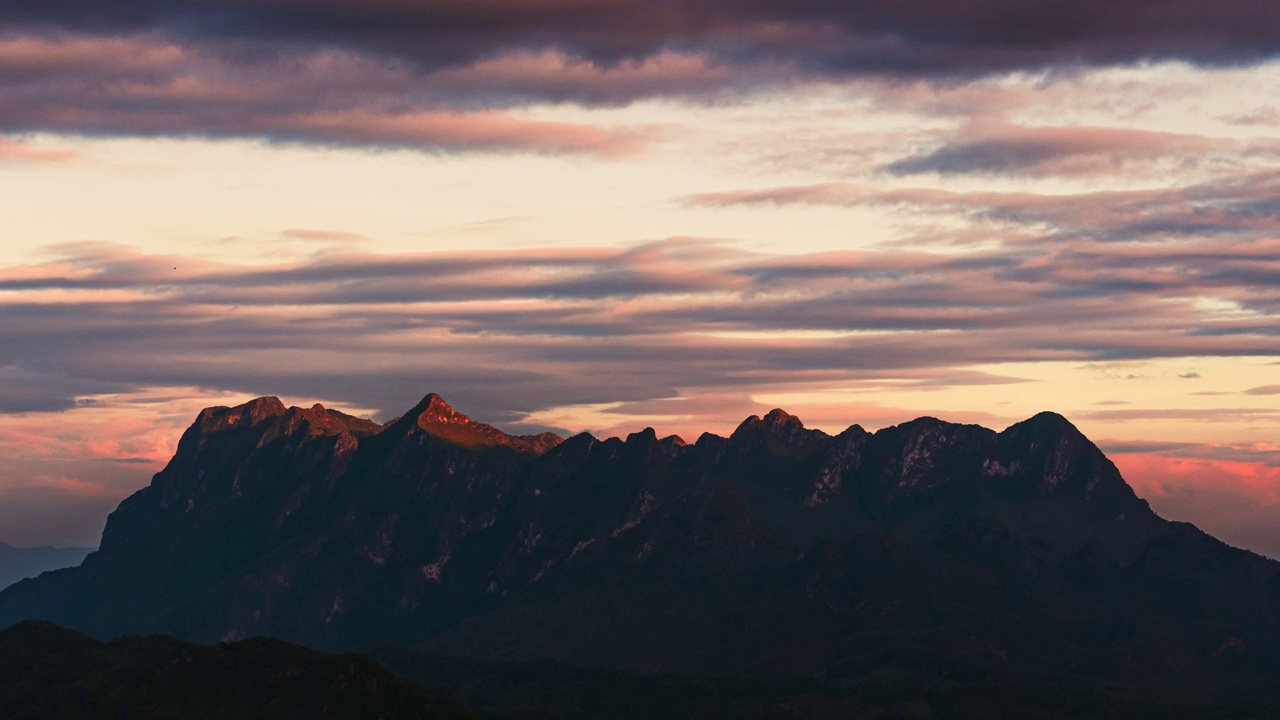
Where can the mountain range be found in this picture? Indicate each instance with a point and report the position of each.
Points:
(17, 563)
(924, 555)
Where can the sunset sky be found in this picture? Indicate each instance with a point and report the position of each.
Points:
(606, 214)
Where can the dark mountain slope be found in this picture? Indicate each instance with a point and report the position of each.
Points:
(574, 693)
(49, 672)
(921, 553)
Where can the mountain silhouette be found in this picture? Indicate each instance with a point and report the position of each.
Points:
(50, 672)
(924, 553)
(17, 563)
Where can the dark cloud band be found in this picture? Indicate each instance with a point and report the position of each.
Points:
(934, 38)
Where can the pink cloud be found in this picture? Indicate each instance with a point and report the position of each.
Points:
(1236, 501)
(477, 130)
(1162, 474)
(20, 152)
(116, 430)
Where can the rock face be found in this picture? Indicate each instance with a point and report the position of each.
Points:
(928, 547)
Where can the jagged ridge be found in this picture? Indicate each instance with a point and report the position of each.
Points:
(777, 549)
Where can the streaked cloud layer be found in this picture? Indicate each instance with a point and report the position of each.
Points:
(609, 214)
(540, 328)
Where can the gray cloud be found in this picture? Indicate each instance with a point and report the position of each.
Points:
(1074, 152)
(867, 36)
(23, 390)
(1239, 452)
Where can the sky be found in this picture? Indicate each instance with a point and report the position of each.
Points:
(604, 215)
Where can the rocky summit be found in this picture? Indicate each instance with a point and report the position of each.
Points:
(927, 552)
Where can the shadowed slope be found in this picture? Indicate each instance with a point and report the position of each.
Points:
(49, 672)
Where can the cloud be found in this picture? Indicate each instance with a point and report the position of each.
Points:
(23, 390)
(518, 331)
(1264, 390)
(1256, 452)
(325, 237)
(1231, 207)
(1013, 150)
(1219, 414)
(451, 76)
(1265, 116)
(61, 473)
(868, 36)
(1233, 500)
(13, 151)
(140, 86)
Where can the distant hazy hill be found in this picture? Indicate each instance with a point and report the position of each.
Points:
(50, 672)
(926, 555)
(19, 563)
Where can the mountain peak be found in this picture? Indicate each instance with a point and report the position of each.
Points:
(1046, 426)
(432, 409)
(246, 415)
(775, 420)
(266, 406)
(778, 430)
(647, 435)
(1051, 419)
(778, 417)
(435, 417)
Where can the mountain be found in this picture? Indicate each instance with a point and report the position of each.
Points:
(50, 672)
(19, 563)
(922, 555)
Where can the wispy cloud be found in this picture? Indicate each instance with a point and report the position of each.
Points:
(1005, 149)
(517, 331)
(1229, 207)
